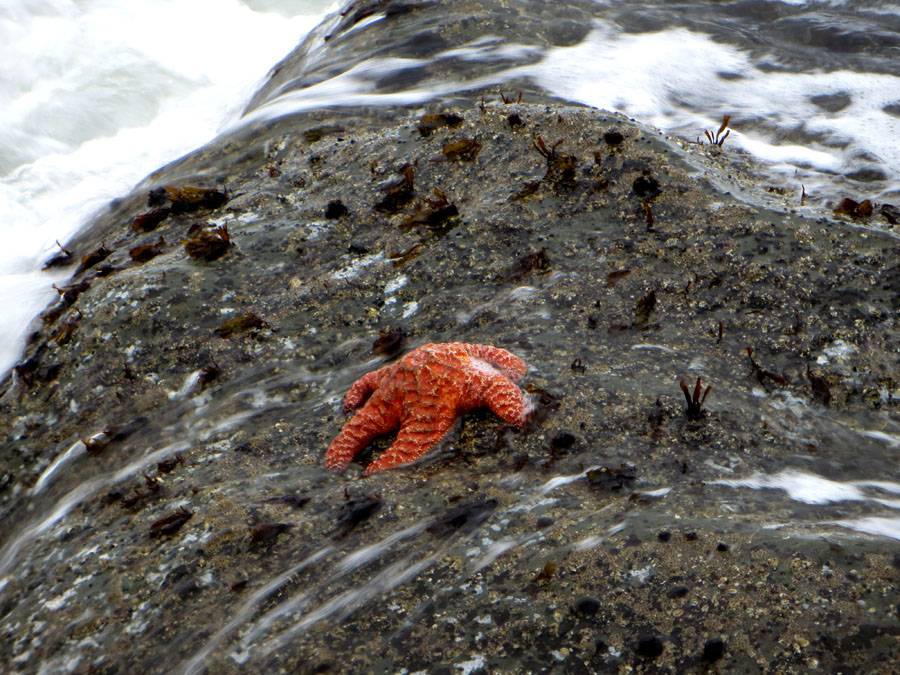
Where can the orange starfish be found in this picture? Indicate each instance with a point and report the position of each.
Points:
(422, 394)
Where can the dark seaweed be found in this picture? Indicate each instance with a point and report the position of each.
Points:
(170, 524)
(463, 518)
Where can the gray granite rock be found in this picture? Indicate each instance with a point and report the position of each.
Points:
(164, 502)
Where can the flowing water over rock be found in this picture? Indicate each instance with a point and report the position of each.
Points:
(811, 88)
(165, 505)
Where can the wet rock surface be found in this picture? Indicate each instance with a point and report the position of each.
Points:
(599, 538)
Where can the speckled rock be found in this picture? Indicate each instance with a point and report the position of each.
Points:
(165, 505)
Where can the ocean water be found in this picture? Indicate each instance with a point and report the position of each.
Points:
(94, 95)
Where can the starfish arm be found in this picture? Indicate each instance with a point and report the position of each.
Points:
(504, 399)
(507, 363)
(375, 419)
(422, 394)
(364, 386)
(416, 438)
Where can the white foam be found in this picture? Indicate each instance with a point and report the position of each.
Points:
(879, 526)
(395, 284)
(892, 439)
(810, 488)
(837, 351)
(96, 95)
(77, 449)
(355, 268)
(409, 309)
(472, 665)
(672, 79)
(661, 348)
(800, 486)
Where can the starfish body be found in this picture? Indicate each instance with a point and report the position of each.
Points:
(422, 394)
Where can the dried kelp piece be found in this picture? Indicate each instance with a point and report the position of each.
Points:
(819, 386)
(544, 402)
(169, 465)
(528, 188)
(560, 165)
(318, 133)
(465, 150)
(643, 309)
(113, 433)
(147, 222)
(171, 523)
(890, 212)
(613, 277)
(147, 252)
(398, 194)
(432, 212)
(431, 122)
(104, 270)
(97, 255)
(241, 324)
(94, 443)
(854, 209)
(181, 200)
(190, 198)
(760, 373)
(207, 374)
(390, 342)
(268, 531)
(69, 294)
(606, 478)
(61, 259)
(207, 245)
(464, 518)
(151, 486)
(694, 410)
(294, 501)
(546, 573)
(529, 262)
(564, 171)
(541, 147)
(648, 215)
(64, 332)
(402, 257)
(31, 371)
(719, 137)
(157, 197)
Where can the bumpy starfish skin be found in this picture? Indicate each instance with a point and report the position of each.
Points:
(422, 395)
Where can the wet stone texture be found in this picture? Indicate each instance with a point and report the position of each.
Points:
(164, 502)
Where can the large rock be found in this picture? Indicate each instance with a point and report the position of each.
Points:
(164, 502)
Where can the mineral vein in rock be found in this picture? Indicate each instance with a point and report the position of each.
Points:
(422, 395)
